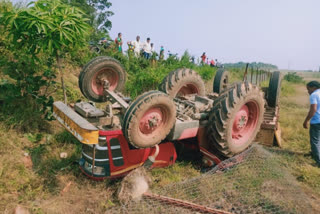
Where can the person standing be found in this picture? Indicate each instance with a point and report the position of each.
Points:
(313, 116)
(161, 55)
(137, 46)
(147, 49)
(203, 58)
(118, 42)
(212, 63)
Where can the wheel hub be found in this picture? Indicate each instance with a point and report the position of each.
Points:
(245, 122)
(242, 122)
(241, 119)
(150, 121)
(103, 76)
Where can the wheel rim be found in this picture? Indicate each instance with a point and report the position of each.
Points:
(97, 81)
(188, 89)
(245, 123)
(152, 121)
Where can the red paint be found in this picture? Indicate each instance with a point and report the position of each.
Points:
(245, 123)
(134, 158)
(189, 133)
(166, 157)
(210, 156)
(152, 121)
(107, 74)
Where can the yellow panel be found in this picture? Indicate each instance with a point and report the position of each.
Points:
(83, 135)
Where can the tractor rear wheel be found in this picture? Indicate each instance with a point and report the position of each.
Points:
(149, 119)
(92, 76)
(274, 89)
(182, 82)
(221, 80)
(235, 119)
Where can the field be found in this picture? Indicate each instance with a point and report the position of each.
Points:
(33, 175)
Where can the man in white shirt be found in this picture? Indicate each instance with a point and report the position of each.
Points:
(137, 46)
(147, 49)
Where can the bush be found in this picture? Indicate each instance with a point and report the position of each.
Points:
(293, 77)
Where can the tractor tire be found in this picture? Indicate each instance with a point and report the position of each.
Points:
(235, 119)
(274, 89)
(80, 79)
(105, 68)
(182, 82)
(221, 81)
(149, 119)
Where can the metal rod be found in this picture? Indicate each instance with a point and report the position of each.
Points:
(184, 204)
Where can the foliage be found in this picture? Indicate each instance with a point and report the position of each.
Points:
(98, 13)
(293, 77)
(146, 75)
(36, 36)
(259, 65)
(48, 26)
(287, 89)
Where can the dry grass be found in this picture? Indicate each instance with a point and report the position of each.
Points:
(55, 185)
(296, 146)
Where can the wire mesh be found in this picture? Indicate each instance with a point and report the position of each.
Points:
(255, 181)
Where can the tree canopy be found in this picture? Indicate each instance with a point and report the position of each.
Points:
(97, 11)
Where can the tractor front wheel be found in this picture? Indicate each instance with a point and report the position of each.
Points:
(93, 76)
(149, 119)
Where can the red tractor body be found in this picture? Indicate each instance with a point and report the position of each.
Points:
(112, 156)
(152, 129)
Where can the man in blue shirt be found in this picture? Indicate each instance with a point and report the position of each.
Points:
(313, 88)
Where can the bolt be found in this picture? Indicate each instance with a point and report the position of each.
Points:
(153, 122)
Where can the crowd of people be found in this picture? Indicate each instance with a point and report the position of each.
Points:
(212, 62)
(146, 50)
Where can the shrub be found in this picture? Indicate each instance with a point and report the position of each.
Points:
(293, 77)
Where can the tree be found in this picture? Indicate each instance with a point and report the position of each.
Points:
(97, 12)
(45, 26)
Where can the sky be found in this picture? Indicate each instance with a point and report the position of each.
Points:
(285, 33)
(281, 32)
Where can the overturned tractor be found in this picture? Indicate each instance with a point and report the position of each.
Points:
(151, 129)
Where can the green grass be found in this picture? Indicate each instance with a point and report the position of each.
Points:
(25, 132)
(295, 138)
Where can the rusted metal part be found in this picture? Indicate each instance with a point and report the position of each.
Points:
(116, 98)
(210, 156)
(87, 110)
(112, 96)
(184, 204)
(233, 161)
(270, 133)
